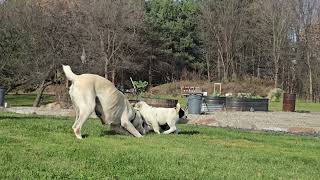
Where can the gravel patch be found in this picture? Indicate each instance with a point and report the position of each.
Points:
(291, 122)
(43, 111)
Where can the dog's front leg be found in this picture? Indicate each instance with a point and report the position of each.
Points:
(131, 128)
(128, 125)
(155, 127)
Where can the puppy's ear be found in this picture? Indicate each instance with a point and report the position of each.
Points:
(181, 113)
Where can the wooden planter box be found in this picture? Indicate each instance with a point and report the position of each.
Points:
(154, 102)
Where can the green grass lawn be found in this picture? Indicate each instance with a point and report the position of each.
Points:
(36, 147)
(26, 99)
(300, 106)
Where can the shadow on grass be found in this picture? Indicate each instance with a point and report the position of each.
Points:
(10, 117)
(85, 135)
(112, 133)
(16, 116)
(108, 133)
(189, 132)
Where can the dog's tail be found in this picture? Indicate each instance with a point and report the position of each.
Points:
(178, 107)
(68, 72)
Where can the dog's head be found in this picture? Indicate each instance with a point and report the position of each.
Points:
(140, 105)
(139, 123)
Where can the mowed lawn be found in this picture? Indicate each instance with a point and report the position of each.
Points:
(26, 99)
(37, 147)
(300, 106)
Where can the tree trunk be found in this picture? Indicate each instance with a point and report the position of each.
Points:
(234, 74)
(42, 87)
(150, 72)
(283, 77)
(113, 76)
(310, 76)
(276, 73)
(106, 68)
(208, 67)
(225, 71)
(218, 69)
(258, 68)
(104, 57)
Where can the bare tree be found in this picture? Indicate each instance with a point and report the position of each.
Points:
(223, 23)
(307, 11)
(276, 16)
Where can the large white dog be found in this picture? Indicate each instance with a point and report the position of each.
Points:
(90, 92)
(156, 116)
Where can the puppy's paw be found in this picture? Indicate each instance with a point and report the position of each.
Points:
(78, 136)
(166, 132)
(77, 133)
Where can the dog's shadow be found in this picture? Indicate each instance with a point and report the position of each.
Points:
(112, 133)
(190, 133)
(84, 135)
(108, 133)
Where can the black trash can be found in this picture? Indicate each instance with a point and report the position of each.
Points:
(2, 93)
(194, 104)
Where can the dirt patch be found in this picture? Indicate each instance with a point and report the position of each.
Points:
(204, 121)
(298, 123)
(301, 130)
(253, 86)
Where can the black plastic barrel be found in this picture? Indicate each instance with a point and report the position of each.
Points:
(194, 104)
(289, 102)
(2, 93)
(211, 104)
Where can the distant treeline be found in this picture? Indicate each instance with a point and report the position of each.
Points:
(161, 41)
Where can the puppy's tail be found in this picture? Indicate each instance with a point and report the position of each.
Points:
(178, 107)
(68, 72)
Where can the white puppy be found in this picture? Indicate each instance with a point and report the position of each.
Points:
(156, 116)
(90, 92)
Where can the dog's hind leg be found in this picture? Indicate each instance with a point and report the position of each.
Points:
(84, 114)
(86, 104)
(172, 129)
(172, 126)
(99, 112)
(76, 109)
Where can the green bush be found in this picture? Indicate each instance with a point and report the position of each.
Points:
(247, 95)
(216, 94)
(141, 86)
(275, 94)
